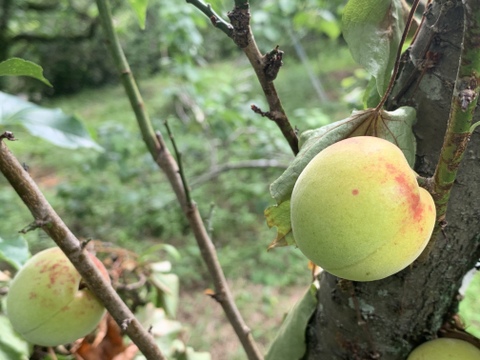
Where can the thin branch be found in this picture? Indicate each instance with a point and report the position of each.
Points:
(164, 159)
(181, 170)
(209, 221)
(262, 65)
(217, 170)
(409, 22)
(216, 20)
(464, 102)
(243, 37)
(46, 218)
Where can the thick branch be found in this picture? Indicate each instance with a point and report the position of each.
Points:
(162, 156)
(46, 218)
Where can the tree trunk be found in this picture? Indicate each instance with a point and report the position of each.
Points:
(386, 319)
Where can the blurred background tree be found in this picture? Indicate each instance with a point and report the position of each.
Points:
(64, 36)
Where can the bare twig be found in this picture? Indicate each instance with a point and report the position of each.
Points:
(243, 37)
(247, 164)
(216, 20)
(262, 65)
(209, 221)
(52, 224)
(181, 170)
(162, 156)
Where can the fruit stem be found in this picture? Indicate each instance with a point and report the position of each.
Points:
(398, 56)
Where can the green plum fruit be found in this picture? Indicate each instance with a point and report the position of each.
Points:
(48, 304)
(358, 212)
(445, 349)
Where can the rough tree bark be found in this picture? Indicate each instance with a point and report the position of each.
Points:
(385, 319)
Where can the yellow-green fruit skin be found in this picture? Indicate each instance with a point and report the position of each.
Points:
(445, 349)
(358, 212)
(45, 304)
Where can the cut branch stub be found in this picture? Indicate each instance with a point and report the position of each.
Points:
(8, 135)
(273, 64)
(240, 19)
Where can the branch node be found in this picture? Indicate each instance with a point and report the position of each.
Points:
(240, 19)
(216, 20)
(161, 149)
(209, 221)
(38, 223)
(125, 324)
(84, 243)
(8, 135)
(219, 297)
(466, 96)
(273, 64)
(259, 111)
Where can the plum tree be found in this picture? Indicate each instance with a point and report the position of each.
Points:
(47, 303)
(358, 212)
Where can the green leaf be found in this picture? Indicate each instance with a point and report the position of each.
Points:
(52, 125)
(193, 355)
(20, 67)
(371, 97)
(153, 252)
(188, 353)
(289, 343)
(372, 30)
(398, 130)
(311, 143)
(12, 346)
(14, 251)
(395, 126)
(469, 308)
(140, 9)
(279, 216)
(167, 286)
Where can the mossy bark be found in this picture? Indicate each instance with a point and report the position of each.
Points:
(385, 319)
